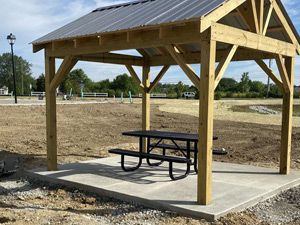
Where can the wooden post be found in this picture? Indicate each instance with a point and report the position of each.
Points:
(287, 115)
(50, 114)
(146, 103)
(207, 86)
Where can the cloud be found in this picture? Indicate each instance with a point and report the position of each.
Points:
(31, 19)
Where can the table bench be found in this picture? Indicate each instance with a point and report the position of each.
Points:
(141, 155)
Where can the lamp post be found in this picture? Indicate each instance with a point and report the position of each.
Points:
(11, 40)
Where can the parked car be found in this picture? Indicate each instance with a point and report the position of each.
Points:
(189, 95)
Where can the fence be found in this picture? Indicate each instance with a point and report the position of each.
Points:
(156, 95)
(38, 94)
(96, 95)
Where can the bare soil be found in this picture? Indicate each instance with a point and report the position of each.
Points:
(88, 131)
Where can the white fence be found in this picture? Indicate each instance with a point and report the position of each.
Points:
(96, 95)
(156, 95)
(38, 94)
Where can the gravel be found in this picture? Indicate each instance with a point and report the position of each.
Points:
(263, 110)
(33, 202)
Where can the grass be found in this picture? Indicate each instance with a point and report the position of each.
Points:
(245, 108)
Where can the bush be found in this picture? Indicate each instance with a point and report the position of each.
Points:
(218, 96)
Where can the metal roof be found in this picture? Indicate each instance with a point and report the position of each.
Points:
(131, 15)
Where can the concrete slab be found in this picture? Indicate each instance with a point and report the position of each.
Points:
(235, 187)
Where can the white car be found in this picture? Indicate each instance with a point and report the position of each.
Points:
(189, 94)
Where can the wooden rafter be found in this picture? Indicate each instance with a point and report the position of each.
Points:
(267, 22)
(135, 77)
(252, 4)
(270, 73)
(286, 25)
(283, 73)
(188, 70)
(219, 13)
(143, 52)
(112, 58)
(158, 78)
(223, 65)
(230, 35)
(261, 15)
(67, 65)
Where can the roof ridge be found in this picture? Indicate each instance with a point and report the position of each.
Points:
(122, 4)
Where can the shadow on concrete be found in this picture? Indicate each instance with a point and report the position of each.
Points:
(115, 172)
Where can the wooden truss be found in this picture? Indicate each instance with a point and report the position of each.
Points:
(206, 33)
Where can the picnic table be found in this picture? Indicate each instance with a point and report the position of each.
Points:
(185, 143)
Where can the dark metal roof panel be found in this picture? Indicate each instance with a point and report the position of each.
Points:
(132, 15)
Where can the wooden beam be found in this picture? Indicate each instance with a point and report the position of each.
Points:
(135, 77)
(219, 13)
(51, 125)
(158, 78)
(143, 52)
(146, 104)
(267, 22)
(67, 65)
(270, 73)
(252, 4)
(287, 26)
(112, 58)
(261, 15)
(287, 116)
(143, 39)
(188, 70)
(207, 84)
(241, 54)
(283, 73)
(223, 65)
(230, 35)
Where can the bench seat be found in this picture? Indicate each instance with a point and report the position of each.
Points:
(142, 155)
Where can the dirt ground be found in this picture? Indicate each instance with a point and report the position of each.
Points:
(88, 131)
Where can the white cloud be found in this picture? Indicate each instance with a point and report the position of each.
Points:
(31, 19)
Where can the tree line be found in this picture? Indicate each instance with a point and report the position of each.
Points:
(123, 83)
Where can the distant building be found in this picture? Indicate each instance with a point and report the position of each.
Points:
(4, 90)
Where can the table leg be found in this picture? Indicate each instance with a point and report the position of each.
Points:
(196, 157)
(148, 151)
(188, 155)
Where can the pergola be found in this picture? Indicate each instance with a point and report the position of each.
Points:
(174, 32)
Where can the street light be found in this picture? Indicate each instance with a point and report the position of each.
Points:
(11, 40)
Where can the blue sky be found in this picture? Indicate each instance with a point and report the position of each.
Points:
(31, 19)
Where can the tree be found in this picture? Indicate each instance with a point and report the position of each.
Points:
(244, 85)
(73, 81)
(227, 84)
(258, 87)
(180, 88)
(40, 83)
(23, 74)
(124, 83)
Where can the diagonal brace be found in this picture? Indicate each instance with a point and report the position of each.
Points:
(67, 65)
(283, 73)
(188, 70)
(269, 72)
(158, 78)
(223, 65)
(135, 77)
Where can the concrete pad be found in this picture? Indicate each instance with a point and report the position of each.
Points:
(235, 187)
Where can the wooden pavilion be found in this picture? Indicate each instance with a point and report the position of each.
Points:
(174, 32)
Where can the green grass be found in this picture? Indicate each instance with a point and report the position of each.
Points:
(245, 108)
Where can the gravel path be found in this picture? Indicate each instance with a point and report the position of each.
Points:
(33, 202)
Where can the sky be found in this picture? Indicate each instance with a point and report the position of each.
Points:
(31, 19)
